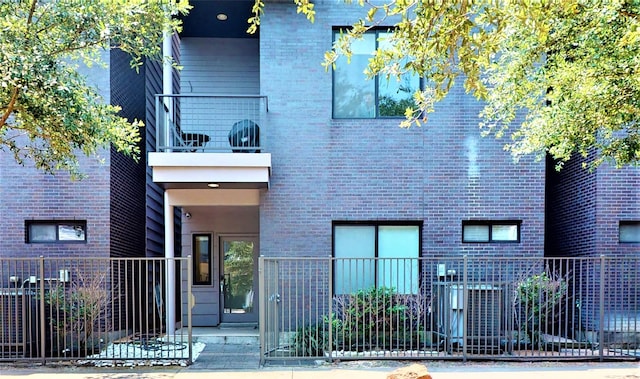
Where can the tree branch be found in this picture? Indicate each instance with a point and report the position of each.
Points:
(69, 49)
(10, 107)
(630, 14)
(32, 10)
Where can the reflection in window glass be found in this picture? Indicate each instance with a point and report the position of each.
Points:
(356, 97)
(42, 232)
(70, 232)
(202, 259)
(376, 255)
(357, 243)
(401, 242)
(395, 96)
(491, 231)
(504, 232)
(353, 95)
(475, 233)
(629, 232)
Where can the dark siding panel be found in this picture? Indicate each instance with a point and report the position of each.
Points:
(154, 194)
(127, 176)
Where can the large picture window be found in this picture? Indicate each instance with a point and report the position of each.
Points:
(356, 97)
(53, 231)
(376, 255)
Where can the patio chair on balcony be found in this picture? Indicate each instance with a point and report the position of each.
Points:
(244, 134)
(195, 141)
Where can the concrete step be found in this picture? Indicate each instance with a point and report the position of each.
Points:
(228, 340)
(227, 335)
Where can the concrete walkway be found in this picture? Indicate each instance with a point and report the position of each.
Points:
(235, 354)
(360, 370)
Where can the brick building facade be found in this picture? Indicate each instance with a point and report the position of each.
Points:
(324, 171)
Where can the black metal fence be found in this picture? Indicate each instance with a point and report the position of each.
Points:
(87, 310)
(464, 308)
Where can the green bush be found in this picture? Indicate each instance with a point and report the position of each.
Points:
(79, 311)
(380, 318)
(313, 340)
(538, 297)
(366, 319)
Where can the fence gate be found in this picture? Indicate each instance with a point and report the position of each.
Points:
(269, 306)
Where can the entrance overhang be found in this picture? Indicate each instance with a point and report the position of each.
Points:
(180, 197)
(173, 170)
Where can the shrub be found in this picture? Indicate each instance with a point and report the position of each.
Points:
(379, 317)
(313, 340)
(78, 312)
(538, 296)
(371, 318)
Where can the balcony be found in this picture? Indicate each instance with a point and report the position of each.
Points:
(203, 139)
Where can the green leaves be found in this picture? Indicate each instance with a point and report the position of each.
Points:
(306, 7)
(48, 111)
(560, 77)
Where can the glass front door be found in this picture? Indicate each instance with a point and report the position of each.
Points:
(238, 279)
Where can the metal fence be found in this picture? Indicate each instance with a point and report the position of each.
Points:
(110, 310)
(464, 308)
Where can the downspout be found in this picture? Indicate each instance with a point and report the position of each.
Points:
(167, 88)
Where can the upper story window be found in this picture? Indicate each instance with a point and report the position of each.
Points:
(356, 97)
(629, 231)
(53, 231)
(491, 231)
(380, 254)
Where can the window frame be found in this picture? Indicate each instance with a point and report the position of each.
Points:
(56, 224)
(376, 225)
(631, 223)
(335, 33)
(490, 224)
(196, 261)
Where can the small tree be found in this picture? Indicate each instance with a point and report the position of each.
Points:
(48, 111)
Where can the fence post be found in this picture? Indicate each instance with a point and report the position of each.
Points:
(465, 310)
(601, 334)
(330, 297)
(262, 304)
(43, 333)
(189, 306)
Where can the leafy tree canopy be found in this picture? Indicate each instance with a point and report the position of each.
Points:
(48, 111)
(571, 67)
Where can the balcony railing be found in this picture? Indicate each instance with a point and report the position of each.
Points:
(210, 123)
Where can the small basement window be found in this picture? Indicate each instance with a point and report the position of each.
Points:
(42, 231)
(629, 232)
(491, 231)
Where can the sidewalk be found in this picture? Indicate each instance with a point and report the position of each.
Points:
(348, 370)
